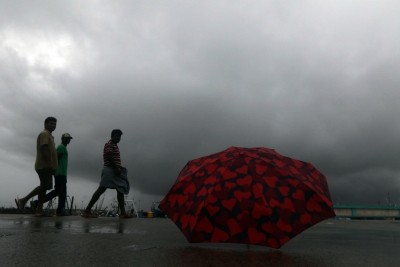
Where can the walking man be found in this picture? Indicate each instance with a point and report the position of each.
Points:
(113, 176)
(45, 166)
(60, 178)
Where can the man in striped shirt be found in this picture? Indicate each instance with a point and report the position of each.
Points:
(113, 176)
(111, 155)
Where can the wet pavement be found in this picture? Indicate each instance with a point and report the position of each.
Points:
(75, 241)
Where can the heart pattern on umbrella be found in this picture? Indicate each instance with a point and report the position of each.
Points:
(247, 195)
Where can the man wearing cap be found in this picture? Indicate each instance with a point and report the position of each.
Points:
(60, 177)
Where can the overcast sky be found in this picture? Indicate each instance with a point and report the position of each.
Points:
(315, 80)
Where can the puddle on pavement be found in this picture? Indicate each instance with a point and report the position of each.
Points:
(108, 229)
(72, 226)
(5, 234)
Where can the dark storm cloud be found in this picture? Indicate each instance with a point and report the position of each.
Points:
(316, 81)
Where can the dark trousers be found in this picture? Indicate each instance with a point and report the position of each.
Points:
(60, 190)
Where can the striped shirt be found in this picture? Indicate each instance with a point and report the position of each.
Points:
(111, 150)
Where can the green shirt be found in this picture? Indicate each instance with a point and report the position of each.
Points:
(62, 153)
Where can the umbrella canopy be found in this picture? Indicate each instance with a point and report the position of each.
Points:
(247, 195)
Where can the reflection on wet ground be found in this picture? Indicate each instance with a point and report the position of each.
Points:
(228, 257)
(75, 241)
(74, 225)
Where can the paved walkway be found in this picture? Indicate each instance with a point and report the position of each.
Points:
(75, 241)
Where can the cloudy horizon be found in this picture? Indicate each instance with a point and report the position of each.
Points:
(314, 80)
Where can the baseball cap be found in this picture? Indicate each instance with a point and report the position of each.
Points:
(66, 135)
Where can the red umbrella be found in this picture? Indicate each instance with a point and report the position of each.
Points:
(247, 195)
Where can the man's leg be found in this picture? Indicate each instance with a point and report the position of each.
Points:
(121, 205)
(61, 187)
(41, 197)
(46, 183)
(94, 199)
(49, 196)
(22, 201)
